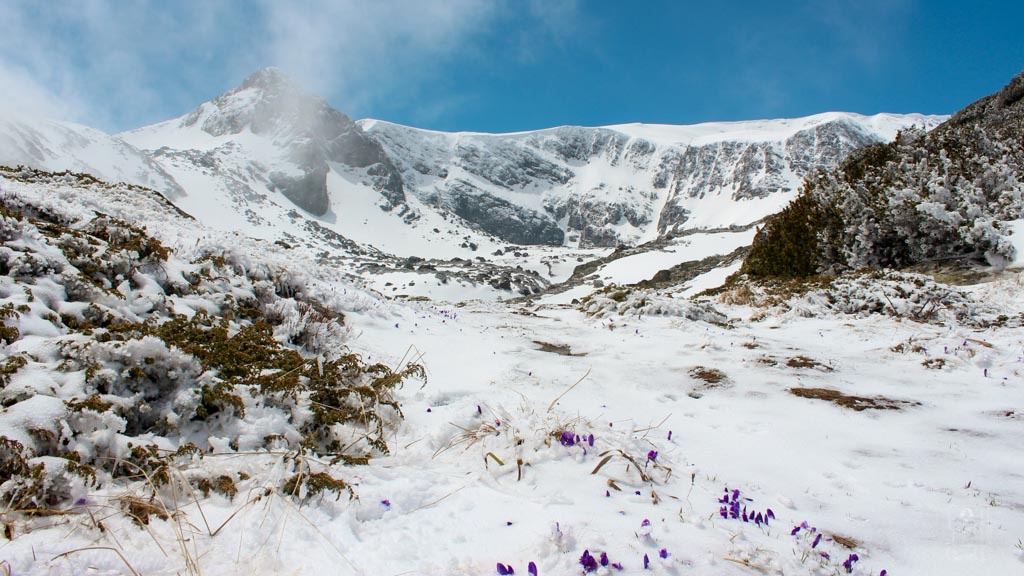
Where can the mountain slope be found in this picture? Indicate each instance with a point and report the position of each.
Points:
(57, 146)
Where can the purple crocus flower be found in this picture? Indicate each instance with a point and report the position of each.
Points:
(647, 561)
(663, 553)
(769, 514)
(505, 570)
(617, 565)
(646, 522)
(848, 564)
(590, 440)
(817, 540)
(479, 410)
(531, 568)
(588, 562)
(669, 435)
(386, 503)
(883, 573)
(604, 558)
(652, 455)
(567, 439)
(724, 512)
(826, 555)
(795, 530)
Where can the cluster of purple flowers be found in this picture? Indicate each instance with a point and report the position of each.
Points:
(847, 564)
(506, 569)
(590, 563)
(569, 438)
(817, 538)
(733, 506)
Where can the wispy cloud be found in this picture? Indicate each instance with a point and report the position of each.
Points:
(104, 62)
(360, 50)
(117, 64)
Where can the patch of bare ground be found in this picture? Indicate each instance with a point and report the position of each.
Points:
(805, 362)
(560, 349)
(711, 378)
(856, 403)
(846, 541)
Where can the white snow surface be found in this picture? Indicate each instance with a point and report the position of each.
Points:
(478, 475)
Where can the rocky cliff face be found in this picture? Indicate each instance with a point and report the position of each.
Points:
(625, 184)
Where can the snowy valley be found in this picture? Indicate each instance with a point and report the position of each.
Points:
(263, 337)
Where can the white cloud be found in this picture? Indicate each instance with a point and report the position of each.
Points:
(117, 65)
(361, 51)
(23, 95)
(107, 61)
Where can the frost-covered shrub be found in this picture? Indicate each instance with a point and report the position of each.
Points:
(146, 376)
(146, 360)
(624, 301)
(911, 296)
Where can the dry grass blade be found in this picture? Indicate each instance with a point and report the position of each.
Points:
(567, 390)
(469, 436)
(609, 454)
(602, 463)
(114, 550)
(494, 457)
(748, 564)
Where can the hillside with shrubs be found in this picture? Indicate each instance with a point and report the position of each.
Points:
(949, 195)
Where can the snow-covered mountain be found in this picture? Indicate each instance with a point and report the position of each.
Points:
(58, 146)
(254, 154)
(282, 138)
(625, 184)
(411, 210)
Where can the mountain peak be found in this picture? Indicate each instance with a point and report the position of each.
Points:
(270, 77)
(306, 131)
(266, 102)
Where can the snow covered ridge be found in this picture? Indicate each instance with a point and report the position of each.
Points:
(627, 184)
(128, 366)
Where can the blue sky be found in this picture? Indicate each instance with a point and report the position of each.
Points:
(506, 65)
